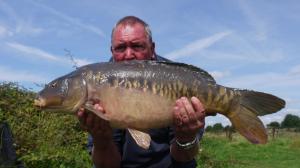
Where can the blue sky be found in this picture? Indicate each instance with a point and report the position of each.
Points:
(250, 44)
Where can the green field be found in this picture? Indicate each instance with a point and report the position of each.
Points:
(280, 152)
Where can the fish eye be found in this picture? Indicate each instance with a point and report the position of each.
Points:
(53, 85)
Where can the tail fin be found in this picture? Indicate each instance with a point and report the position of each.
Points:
(243, 115)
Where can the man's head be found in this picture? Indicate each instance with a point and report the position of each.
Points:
(132, 39)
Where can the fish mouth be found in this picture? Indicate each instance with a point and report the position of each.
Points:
(42, 104)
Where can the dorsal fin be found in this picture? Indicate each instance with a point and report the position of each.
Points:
(189, 67)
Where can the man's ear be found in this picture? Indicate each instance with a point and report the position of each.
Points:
(153, 46)
(153, 50)
(111, 50)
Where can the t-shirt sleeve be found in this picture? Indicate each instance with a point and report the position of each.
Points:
(118, 137)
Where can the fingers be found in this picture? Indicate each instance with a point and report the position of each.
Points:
(188, 117)
(177, 117)
(88, 120)
(189, 109)
(199, 108)
(81, 115)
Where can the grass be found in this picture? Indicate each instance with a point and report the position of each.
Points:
(217, 151)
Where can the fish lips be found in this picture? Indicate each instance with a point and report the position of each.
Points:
(41, 103)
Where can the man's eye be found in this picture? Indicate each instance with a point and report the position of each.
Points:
(120, 48)
(138, 47)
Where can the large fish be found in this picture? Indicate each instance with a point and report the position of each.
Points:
(140, 95)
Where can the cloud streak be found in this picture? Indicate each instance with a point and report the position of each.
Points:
(21, 26)
(197, 46)
(9, 74)
(69, 19)
(254, 20)
(4, 32)
(41, 54)
(220, 74)
(267, 79)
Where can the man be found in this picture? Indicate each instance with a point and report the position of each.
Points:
(174, 146)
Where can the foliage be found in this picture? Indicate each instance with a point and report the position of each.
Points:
(208, 128)
(42, 139)
(290, 121)
(274, 124)
(217, 127)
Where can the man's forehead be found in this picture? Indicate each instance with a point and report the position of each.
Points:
(129, 29)
(134, 32)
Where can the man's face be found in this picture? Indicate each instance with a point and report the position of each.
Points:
(130, 42)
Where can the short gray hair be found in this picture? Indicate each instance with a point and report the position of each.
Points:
(132, 20)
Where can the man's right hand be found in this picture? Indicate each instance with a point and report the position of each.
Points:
(99, 128)
(104, 147)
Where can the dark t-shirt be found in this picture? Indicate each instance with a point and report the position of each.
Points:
(157, 156)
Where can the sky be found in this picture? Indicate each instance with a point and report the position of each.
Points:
(244, 44)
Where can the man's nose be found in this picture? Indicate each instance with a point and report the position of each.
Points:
(129, 54)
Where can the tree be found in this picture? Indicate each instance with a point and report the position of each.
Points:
(229, 130)
(208, 128)
(290, 121)
(218, 127)
(274, 126)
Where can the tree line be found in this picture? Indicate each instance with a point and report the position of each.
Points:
(289, 122)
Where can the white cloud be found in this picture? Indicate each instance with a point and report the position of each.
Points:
(219, 74)
(41, 54)
(295, 70)
(81, 62)
(23, 27)
(268, 79)
(9, 74)
(279, 116)
(33, 52)
(197, 45)
(69, 19)
(5, 32)
(211, 120)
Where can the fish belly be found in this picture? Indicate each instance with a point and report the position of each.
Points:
(134, 108)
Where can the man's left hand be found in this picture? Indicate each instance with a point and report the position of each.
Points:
(189, 118)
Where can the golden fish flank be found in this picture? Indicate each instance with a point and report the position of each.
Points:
(128, 84)
(135, 84)
(154, 87)
(145, 85)
(115, 82)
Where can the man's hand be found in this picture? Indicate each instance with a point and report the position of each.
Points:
(104, 148)
(188, 119)
(96, 126)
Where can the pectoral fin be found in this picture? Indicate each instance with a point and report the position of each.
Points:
(90, 107)
(141, 138)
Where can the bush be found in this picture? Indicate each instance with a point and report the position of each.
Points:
(42, 139)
